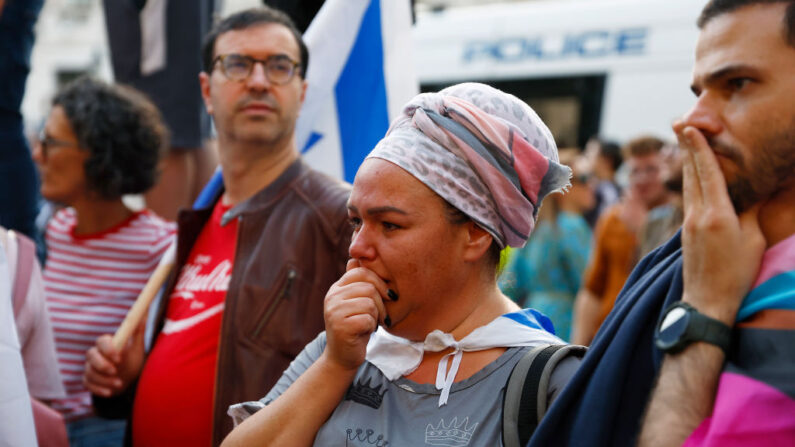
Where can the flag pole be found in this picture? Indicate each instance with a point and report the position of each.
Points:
(139, 309)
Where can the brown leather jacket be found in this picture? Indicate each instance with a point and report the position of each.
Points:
(292, 244)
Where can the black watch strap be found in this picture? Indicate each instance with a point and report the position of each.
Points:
(681, 324)
(710, 330)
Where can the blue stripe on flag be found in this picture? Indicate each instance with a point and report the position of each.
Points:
(361, 94)
(533, 319)
(775, 293)
(210, 191)
(314, 137)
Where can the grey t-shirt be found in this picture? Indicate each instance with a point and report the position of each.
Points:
(379, 412)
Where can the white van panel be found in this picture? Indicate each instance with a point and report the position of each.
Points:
(643, 47)
(644, 103)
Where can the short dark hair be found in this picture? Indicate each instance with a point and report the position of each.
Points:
(641, 146)
(249, 18)
(718, 7)
(122, 130)
(611, 152)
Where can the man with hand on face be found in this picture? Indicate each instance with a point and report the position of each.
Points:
(252, 270)
(711, 313)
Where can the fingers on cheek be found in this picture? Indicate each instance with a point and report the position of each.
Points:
(359, 290)
(340, 312)
(369, 290)
(362, 323)
(360, 275)
(359, 306)
(339, 292)
(372, 309)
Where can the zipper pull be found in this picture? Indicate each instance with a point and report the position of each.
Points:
(291, 275)
(284, 294)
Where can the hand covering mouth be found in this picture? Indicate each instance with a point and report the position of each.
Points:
(724, 150)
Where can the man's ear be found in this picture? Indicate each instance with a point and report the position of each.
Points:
(478, 242)
(303, 91)
(204, 83)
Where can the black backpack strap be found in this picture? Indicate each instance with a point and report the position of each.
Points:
(525, 401)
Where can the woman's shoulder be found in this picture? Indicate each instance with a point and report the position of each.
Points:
(147, 218)
(63, 218)
(150, 229)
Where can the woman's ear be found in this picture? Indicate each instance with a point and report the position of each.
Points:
(478, 242)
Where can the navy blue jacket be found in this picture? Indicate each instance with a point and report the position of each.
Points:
(603, 405)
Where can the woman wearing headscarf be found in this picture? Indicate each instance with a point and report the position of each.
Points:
(419, 340)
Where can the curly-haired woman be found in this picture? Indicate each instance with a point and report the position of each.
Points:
(100, 142)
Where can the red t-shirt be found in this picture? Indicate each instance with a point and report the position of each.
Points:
(174, 401)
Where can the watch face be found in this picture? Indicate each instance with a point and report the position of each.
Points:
(672, 327)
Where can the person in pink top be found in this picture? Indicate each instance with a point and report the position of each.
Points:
(99, 143)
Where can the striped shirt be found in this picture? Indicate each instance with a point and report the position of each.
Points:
(91, 281)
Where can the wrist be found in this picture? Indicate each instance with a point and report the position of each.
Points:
(336, 368)
(720, 306)
(682, 325)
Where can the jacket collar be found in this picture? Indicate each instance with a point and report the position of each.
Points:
(266, 196)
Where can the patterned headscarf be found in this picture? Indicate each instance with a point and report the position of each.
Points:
(484, 151)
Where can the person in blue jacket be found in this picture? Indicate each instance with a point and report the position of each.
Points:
(684, 326)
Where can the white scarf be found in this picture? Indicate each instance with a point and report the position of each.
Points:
(395, 356)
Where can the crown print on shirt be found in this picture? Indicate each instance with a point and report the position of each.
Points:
(364, 438)
(454, 434)
(363, 393)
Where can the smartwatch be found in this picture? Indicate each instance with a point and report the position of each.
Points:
(682, 324)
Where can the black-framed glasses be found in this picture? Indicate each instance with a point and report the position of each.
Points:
(279, 69)
(46, 142)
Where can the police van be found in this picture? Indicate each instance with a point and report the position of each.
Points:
(614, 68)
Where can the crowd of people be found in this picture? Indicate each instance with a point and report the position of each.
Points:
(475, 285)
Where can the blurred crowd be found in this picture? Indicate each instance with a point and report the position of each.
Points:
(623, 202)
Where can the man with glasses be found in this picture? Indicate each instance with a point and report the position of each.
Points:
(253, 269)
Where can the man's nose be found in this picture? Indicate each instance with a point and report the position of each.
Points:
(705, 115)
(38, 153)
(258, 79)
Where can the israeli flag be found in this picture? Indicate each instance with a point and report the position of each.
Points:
(361, 73)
